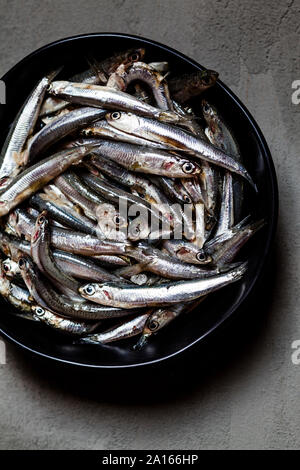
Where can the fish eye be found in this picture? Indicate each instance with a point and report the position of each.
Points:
(201, 256)
(39, 311)
(187, 199)
(115, 115)
(188, 167)
(134, 57)
(206, 108)
(5, 267)
(117, 220)
(153, 325)
(22, 263)
(89, 289)
(206, 79)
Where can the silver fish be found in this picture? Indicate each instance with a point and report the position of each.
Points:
(98, 73)
(185, 251)
(124, 75)
(36, 176)
(219, 134)
(180, 139)
(126, 330)
(12, 161)
(47, 297)
(125, 296)
(60, 128)
(44, 259)
(153, 260)
(62, 324)
(104, 97)
(68, 240)
(103, 130)
(66, 215)
(147, 160)
(186, 86)
(224, 248)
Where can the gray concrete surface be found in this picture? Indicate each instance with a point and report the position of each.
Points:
(253, 402)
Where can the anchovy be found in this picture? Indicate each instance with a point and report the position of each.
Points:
(11, 268)
(220, 135)
(174, 190)
(74, 265)
(44, 259)
(142, 185)
(36, 176)
(60, 128)
(88, 207)
(224, 248)
(108, 98)
(47, 297)
(11, 158)
(60, 323)
(102, 129)
(180, 139)
(153, 260)
(162, 317)
(125, 296)
(16, 295)
(140, 71)
(185, 251)
(126, 330)
(96, 74)
(187, 86)
(146, 160)
(65, 215)
(69, 240)
(117, 196)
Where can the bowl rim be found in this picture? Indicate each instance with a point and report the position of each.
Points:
(272, 221)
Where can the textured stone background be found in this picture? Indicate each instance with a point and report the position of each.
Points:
(252, 401)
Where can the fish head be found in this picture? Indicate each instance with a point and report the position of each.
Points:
(190, 168)
(209, 112)
(39, 227)
(10, 267)
(158, 320)
(134, 55)
(206, 78)
(5, 244)
(4, 282)
(92, 291)
(38, 311)
(111, 224)
(138, 229)
(12, 223)
(126, 122)
(57, 87)
(203, 257)
(28, 273)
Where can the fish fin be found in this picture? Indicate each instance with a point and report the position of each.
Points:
(51, 75)
(95, 66)
(141, 342)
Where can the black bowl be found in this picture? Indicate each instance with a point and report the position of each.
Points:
(188, 330)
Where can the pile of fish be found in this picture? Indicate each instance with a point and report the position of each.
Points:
(87, 164)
